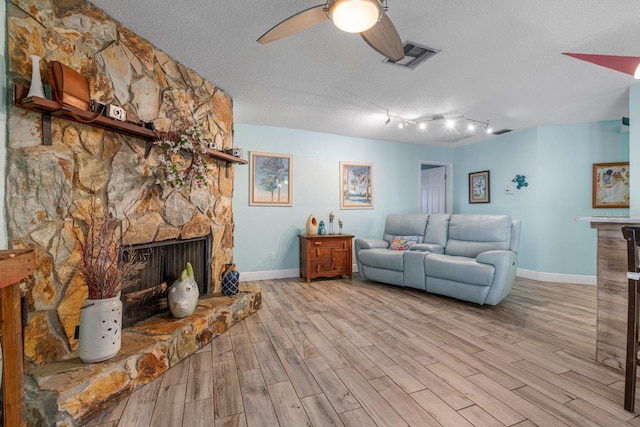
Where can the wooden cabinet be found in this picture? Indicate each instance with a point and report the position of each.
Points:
(326, 256)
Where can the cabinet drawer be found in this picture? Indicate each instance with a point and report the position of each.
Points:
(321, 265)
(327, 243)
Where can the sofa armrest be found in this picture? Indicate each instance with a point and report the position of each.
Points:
(504, 262)
(370, 244)
(427, 247)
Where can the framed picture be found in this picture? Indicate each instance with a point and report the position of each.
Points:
(270, 179)
(479, 187)
(610, 185)
(356, 185)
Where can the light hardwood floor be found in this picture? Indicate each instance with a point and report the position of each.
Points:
(356, 353)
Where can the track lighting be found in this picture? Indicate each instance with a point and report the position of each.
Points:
(450, 122)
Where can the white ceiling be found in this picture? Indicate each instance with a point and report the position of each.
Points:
(500, 61)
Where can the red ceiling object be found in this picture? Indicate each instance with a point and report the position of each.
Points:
(624, 64)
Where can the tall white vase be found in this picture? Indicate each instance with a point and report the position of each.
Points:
(36, 88)
(100, 329)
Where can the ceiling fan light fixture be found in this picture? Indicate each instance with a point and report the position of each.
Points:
(355, 16)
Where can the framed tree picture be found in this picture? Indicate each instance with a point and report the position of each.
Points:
(356, 185)
(479, 187)
(610, 185)
(270, 179)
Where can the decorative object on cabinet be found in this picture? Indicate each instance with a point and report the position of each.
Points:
(479, 187)
(174, 169)
(332, 216)
(311, 227)
(36, 88)
(356, 185)
(321, 229)
(610, 185)
(325, 256)
(340, 223)
(521, 181)
(270, 179)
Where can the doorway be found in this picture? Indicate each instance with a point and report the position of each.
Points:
(435, 187)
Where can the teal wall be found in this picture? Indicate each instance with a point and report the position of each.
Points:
(260, 230)
(557, 161)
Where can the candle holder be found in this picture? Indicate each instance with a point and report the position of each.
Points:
(340, 225)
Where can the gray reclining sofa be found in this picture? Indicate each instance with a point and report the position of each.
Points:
(468, 257)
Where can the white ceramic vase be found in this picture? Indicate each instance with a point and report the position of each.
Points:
(311, 227)
(100, 329)
(36, 88)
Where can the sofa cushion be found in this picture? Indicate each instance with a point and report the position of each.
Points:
(437, 229)
(382, 258)
(470, 235)
(458, 269)
(403, 243)
(405, 225)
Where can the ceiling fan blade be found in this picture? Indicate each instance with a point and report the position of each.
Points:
(298, 22)
(384, 38)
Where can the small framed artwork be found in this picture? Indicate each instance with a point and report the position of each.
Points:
(479, 187)
(271, 179)
(610, 185)
(356, 185)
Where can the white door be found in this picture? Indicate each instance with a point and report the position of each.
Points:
(433, 190)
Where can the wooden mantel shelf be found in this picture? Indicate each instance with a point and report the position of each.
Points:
(14, 266)
(49, 108)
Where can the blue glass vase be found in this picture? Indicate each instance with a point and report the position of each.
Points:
(230, 281)
(321, 230)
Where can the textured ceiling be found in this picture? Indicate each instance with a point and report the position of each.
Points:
(500, 60)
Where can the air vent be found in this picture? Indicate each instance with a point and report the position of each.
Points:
(502, 131)
(414, 55)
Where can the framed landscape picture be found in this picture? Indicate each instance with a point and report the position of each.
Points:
(479, 187)
(356, 185)
(610, 185)
(270, 179)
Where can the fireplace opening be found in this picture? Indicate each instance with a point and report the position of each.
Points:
(164, 262)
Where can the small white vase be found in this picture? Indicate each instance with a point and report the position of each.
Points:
(100, 329)
(311, 227)
(36, 88)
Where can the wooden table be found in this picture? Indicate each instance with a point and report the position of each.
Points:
(328, 255)
(14, 266)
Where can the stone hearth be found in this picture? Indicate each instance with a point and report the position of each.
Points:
(69, 392)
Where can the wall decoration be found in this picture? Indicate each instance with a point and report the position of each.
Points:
(271, 179)
(479, 187)
(610, 185)
(356, 185)
(521, 181)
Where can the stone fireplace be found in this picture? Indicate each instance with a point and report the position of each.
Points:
(46, 184)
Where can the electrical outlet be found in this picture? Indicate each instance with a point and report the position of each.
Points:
(273, 255)
(508, 189)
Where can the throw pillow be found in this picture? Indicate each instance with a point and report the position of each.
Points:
(402, 243)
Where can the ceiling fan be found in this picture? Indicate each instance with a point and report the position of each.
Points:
(367, 17)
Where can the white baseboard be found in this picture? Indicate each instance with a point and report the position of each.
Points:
(276, 274)
(578, 279)
(527, 274)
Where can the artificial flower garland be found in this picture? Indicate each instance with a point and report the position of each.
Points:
(173, 145)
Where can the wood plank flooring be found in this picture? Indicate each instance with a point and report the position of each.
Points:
(358, 353)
